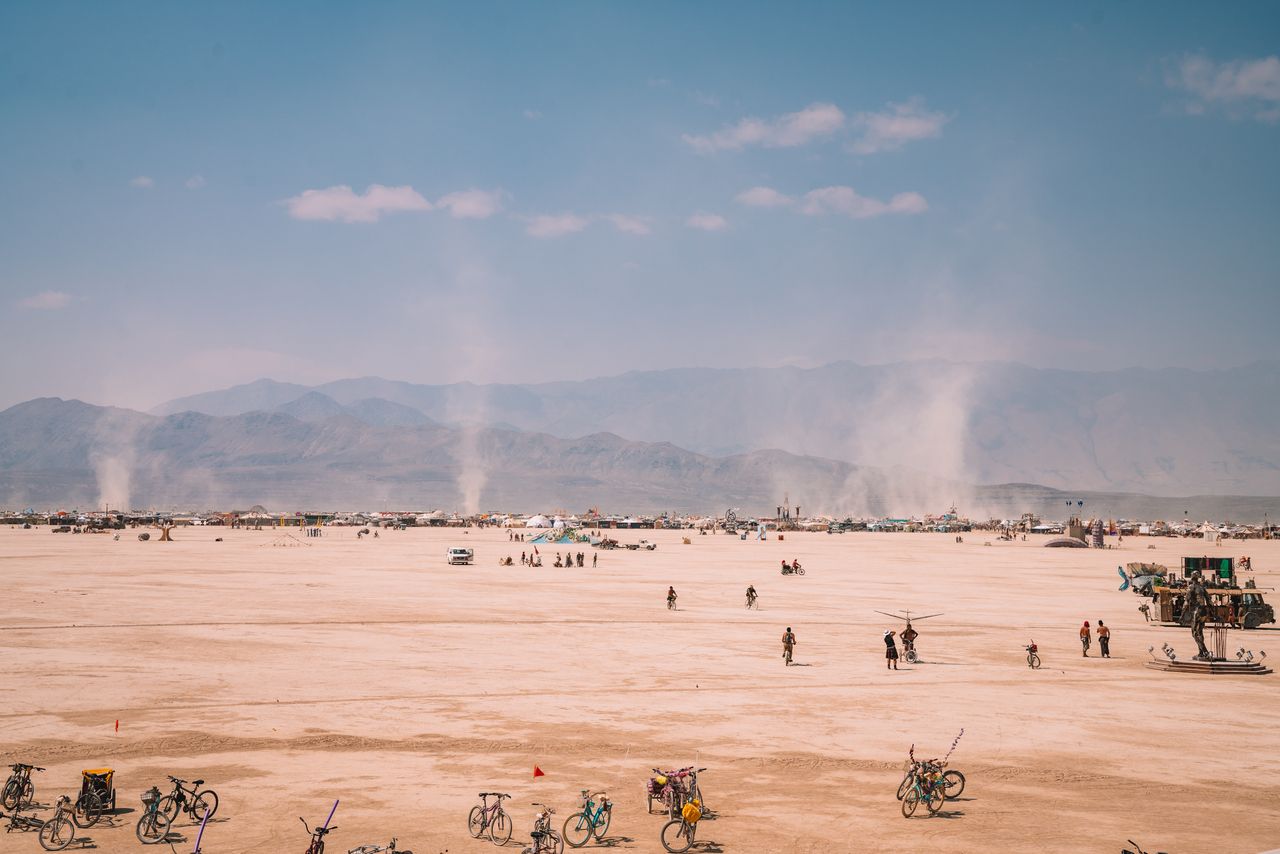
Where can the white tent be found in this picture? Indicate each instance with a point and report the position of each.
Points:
(538, 521)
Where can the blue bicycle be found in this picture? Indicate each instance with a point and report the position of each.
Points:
(591, 821)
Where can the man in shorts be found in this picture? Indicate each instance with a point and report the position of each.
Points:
(788, 645)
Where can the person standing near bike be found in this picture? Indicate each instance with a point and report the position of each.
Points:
(1104, 639)
(890, 651)
(788, 645)
(1085, 638)
(909, 636)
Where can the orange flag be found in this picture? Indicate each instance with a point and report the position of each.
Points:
(538, 772)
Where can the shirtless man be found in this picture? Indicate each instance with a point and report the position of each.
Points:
(788, 645)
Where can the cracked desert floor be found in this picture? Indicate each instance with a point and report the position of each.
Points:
(291, 672)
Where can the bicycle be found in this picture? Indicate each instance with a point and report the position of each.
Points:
(19, 792)
(667, 788)
(909, 653)
(389, 848)
(153, 825)
(493, 819)
(1033, 657)
(199, 802)
(671, 603)
(54, 835)
(318, 835)
(1137, 849)
(953, 781)
(592, 820)
(927, 788)
(695, 791)
(753, 601)
(678, 834)
(545, 839)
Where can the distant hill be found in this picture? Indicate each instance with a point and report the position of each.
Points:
(1167, 432)
(69, 453)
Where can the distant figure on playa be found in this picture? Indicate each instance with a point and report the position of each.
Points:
(751, 596)
(595, 557)
(890, 651)
(1146, 611)
(671, 598)
(788, 645)
(1085, 637)
(1104, 639)
(909, 636)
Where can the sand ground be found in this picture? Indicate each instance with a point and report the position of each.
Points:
(368, 670)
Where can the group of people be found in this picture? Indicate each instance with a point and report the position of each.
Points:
(909, 635)
(1104, 639)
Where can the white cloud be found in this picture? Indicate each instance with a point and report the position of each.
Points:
(341, 203)
(763, 197)
(845, 201)
(629, 224)
(46, 301)
(1241, 86)
(472, 204)
(195, 182)
(895, 126)
(556, 225)
(142, 181)
(786, 131)
(707, 222)
(532, 114)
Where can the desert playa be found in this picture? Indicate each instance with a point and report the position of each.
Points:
(288, 673)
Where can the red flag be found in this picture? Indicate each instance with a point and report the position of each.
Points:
(117, 724)
(538, 772)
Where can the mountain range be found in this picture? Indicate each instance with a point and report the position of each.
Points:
(1159, 432)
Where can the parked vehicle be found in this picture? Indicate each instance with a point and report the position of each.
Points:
(460, 556)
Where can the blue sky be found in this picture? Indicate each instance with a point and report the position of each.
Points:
(573, 190)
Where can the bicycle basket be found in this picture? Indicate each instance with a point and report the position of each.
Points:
(150, 796)
(691, 812)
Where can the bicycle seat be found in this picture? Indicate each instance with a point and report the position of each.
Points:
(197, 782)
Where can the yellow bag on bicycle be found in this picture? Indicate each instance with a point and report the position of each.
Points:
(692, 811)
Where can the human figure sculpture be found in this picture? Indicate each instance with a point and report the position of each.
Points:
(1198, 605)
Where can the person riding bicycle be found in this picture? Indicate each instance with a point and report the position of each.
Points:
(671, 596)
(909, 636)
(788, 645)
(795, 564)
(751, 594)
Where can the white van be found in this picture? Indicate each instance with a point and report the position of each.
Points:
(464, 557)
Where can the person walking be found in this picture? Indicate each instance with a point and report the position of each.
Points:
(1104, 639)
(890, 651)
(594, 557)
(1085, 637)
(788, 645)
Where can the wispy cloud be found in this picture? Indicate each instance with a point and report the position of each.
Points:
(555, 225)
(46, 301)
(1241, 87)
(195, 182)
(763, 197)
(532, 115)
(895, 126)
(629, 224)
(142, 181)
(787, 131)
(472, 204)
(707, 222)
(846, 201)
(342, 203)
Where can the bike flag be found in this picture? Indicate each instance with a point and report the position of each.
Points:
(538, 772)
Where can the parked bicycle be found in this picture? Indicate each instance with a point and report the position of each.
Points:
(56, 833)
(490, 818)
(19, 792)
(319, 833)
(389, 848)
(1033, 656)
(668, 789)
(543, 836)
(192, 800)
(926, 788)
(153, 825)
(953, 781)
(695, 790)
(678, 834)
(590, 821)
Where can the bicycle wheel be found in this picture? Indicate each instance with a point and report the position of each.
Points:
(88, 809)
(909, 802)
(553, 842)
(912, 657)
(500, 829)
(12, 791)
(602, 823)
(937, 797)
(799, 572)
(57, 832)
(475, 822)
(954, 782)
(206, 800)
(904, 785)
(169, 808)
(674, 838)
(1034, 661)
(28, 794)
(151, 828)
(577, 830)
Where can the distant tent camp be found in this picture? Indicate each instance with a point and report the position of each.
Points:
(538, 521)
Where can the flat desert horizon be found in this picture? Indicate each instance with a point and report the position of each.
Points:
(289, 672)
